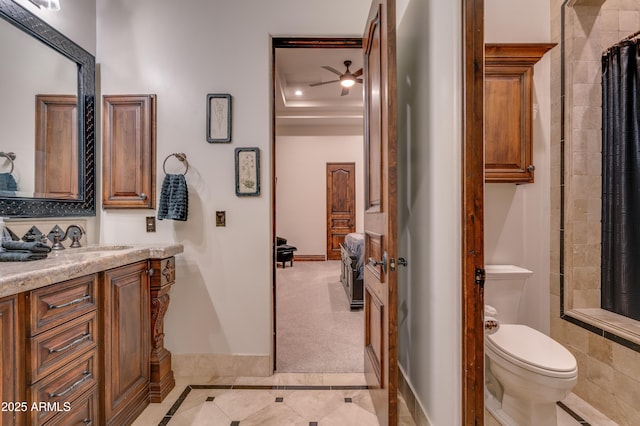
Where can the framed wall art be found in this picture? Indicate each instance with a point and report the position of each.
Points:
(218, 118)
(247, 172)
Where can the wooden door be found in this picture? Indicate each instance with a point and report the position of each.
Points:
(380, 277)
(56, 172)
(473, 213)
(341, 205)
(125, 302)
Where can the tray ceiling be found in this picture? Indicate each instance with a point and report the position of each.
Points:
(296, 68)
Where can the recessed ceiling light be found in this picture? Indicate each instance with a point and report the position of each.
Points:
(298, 92)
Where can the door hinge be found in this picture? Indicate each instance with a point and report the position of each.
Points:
(480, 276)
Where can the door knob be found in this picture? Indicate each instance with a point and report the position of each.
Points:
(383, 262)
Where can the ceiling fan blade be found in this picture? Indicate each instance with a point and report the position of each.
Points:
(358, 73)
(333, 70)
(323, 82)
(359, 81)
(345, 91)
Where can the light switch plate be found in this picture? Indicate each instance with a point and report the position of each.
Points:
(221, 218)
(151, 224)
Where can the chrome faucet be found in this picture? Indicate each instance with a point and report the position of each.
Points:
(75, 238)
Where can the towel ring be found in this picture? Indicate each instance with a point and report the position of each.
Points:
(180, 156)
(9, 156)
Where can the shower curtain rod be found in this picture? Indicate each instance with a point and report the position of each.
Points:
(624, 40)
(631, 37)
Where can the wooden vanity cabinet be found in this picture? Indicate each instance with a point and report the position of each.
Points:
(162, 379)
(129, 158)
(62, 334)
(509, 110)
(126, 342)
(10, 362)
(90, 349)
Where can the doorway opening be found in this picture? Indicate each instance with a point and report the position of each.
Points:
(317, 125)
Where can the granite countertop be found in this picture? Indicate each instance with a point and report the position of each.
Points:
(17, 277)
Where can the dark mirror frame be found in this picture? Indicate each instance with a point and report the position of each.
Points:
(85, 204)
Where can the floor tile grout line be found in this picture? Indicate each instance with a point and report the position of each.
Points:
(176, 405)
(573, 414)
(183, 396)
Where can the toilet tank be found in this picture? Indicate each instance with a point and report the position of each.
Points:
(503, 290)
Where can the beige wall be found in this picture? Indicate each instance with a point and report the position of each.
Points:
(181, 51)
(517, 216)
(302, 187)
(76, 19)
(607, 371)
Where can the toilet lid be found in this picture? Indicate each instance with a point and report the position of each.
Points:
(532, 348)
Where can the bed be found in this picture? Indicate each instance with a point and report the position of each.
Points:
(352, 254)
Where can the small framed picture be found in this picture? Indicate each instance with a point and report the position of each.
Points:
(218, 118)
(247, 172)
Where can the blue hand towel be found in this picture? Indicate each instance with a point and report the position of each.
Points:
(32, 246)
(21, 256)
(8, 182)
(174, 198)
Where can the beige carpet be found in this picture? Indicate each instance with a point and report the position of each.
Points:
(316, 331)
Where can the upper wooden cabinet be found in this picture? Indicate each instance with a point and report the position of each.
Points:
(129, 151)
(509, 110)
(56, 169)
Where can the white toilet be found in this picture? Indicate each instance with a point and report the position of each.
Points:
(526, 371)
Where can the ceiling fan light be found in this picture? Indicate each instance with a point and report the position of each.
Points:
(347, 82)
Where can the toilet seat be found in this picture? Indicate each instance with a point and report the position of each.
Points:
(532, 350)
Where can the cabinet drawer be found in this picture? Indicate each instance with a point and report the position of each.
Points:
(63, 386)
(55, 348)
(56, 304)
(82, 412)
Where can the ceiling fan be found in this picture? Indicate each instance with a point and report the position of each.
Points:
(347, 79)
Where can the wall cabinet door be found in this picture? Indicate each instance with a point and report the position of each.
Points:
(56, 171)
(11, 355)
(126, 342)
(129, 158)
(509, 111)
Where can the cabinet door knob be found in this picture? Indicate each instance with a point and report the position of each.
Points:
(531, 168)
(143, 196)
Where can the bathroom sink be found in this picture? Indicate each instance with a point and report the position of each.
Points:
(100, 247)
(95, 250)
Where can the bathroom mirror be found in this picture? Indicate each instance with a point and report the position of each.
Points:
(48, 87)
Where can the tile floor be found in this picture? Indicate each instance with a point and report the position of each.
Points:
(280, 400)
(322, 399)
(572, 411)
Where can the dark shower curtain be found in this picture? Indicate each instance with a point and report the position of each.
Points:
(621, 179)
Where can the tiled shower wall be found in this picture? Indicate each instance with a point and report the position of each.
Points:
(608, 377)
